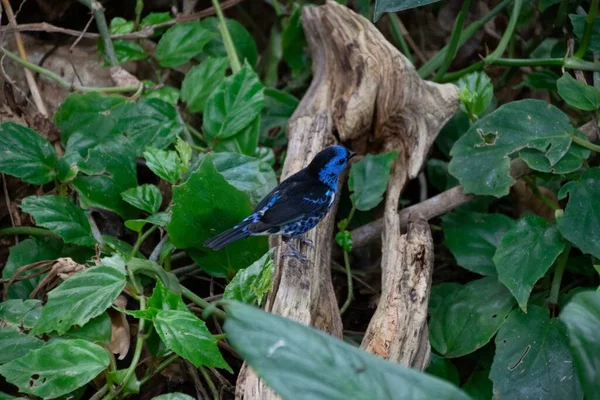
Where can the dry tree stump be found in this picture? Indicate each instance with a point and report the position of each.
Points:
(366, 95)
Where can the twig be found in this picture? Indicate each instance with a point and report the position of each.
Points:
(227, 41)
(35, 92)
(27, 230)
(210, 383)
(200, 390)
(454, 40)
(7, 200)
(587, 33)
(430, 208)
(144, 33)
(400, 33)
(350, 284)
(87, 26)
(561, 263)
(62, 82)
(512, 24)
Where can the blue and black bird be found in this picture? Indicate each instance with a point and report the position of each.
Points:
(295, 206)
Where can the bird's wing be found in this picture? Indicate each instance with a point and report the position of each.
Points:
(291, 203)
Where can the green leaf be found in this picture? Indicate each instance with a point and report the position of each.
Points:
(344, 240)
(293, 43)
(165, 164)
(437, 172)
(181, 43)
(132, 385)
(57, 368)
(579, 222)
(125, 50)
(189, 338)
(525, 254)
(440, 293)
(154, 19)
(279, 107)
(479, 386)
(173, 396)
(468, 320)
(146, 198)
(233, 105)
(481, 157)
(22, 314)
(90, 114)
(247, 174)
(80, 298)
(14, 344)
(571, 162)
(582, 318)
(578, 22)
(163, 299)
(457, 126)
(26, 155)
(242, 40)
(475, 92)
(201, 81)
(205, 205)
(28, 252)
(277, 348)
(369, 178)
(384, 6)
(97, 330)
(159, 219)
(473, 238)
(168, 94)
(443, 368)
(526, 346)
(151, 268)
(151, 122)
(251, 284)
(61, 216)
(578, 94)
(119, 26)
(542, 80)
(245, 142)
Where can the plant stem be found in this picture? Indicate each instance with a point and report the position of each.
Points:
(454, 39)
(211, 384)
(168, 361)
(512, 24)
(200, 302)
(100, 393)
(586, 143)
(139, 7)
(587, 33)
(227, 41)
(27, 230)
(65, 84)
(396, 31)
(98, 11)
(350, 283)
(561, 264)
(141, 238)
(437, 60)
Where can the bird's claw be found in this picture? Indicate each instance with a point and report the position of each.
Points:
(304, 240)
(295, 253)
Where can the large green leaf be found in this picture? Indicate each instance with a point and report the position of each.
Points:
(469, 319)
(251, 284)
(242, 40)
(26, 155)
(57, 368)
(440, 293)
(181, 43)
(571, 162)
(277, 349)
(23, 314)
(91, 114)
(188, 337)
(15, 344)
(245, 142)
(80, 298)
(369, 178)
(473, 237)
(384, 6)
(279, 107)
(481, 157)
(233, 105)
(146, 197)
(581, 218)
(525, 254)
(165, 164)
(582, 317)
(204, 206)
(201, 81)
(578, 22)
(61, 216)
(248, 174)
(578, 94)
(151, 122)
(28, 252)
(532, 359)
(97, 330)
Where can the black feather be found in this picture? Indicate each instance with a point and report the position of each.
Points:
(229, 236)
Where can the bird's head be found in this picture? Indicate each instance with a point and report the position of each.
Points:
(329, 164)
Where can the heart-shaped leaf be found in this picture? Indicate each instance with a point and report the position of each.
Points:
(201, 81)
(181, 43)
(369, 178)
(146, 198)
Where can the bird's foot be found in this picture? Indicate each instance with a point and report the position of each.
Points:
(304, 240)
(294, 253)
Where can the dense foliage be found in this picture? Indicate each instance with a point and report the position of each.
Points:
(121, 203)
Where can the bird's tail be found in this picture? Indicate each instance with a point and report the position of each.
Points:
(229, 236)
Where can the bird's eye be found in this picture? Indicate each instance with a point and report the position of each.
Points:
(341, 161)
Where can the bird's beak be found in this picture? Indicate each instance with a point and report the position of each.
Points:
(352, 154)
